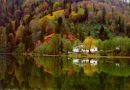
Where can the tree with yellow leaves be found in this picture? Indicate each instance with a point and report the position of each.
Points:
(89, 43)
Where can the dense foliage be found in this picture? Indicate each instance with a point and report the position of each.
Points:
(29, 24)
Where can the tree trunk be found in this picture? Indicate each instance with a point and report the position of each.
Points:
(89, 51)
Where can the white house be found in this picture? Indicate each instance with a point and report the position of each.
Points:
(81, 48)
(78, 48)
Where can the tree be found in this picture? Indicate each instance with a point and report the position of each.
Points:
(77, 43)
(56, 6)
(89, 43)
(51, 7)
(3, 37)
(64, 3)
(66, 45)
(86, 13)
(128, 30)
(103, 15)
(19, 34)
(52, 47)
(60, 27)
(120, 24)
(102, 33)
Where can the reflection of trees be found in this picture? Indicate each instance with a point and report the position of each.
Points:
(113, 77)
(90, 69)
(108, 82)
(3, 67)
(27, 69)
(24, 74)
(110, 67)
(59, 74)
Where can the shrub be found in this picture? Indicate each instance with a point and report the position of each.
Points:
(121, 44)
(67, 46)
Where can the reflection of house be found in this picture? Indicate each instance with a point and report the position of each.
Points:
(89, 66)
(83, 62)
(81, 48)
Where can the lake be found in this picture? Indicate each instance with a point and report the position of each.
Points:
(63, 73)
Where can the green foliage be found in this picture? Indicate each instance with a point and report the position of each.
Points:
(98, 42)
(67, 45)
(52, 47)
(77, 43)
(120, 44)
(106, 45)
(43, 49)
(55, 46)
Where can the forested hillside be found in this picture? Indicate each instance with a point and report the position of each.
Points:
(56, 26)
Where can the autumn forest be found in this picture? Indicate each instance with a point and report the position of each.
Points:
(55, 27)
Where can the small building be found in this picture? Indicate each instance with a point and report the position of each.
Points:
(81, 48)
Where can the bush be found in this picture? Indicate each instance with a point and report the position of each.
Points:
(67, 46)
(120, 44)
(52, 47)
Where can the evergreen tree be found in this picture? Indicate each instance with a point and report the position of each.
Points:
(103, 34)
(86, 13)
(103, 21)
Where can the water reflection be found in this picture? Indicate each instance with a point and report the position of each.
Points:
(89, 65)
(81, 62)
(61, 73)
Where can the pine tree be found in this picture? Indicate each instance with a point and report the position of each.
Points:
(103, 16)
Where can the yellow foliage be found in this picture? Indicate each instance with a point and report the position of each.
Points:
(89, 69)
(89, 42)
(50, 18)
(13, 24)
(56, 5)
(19, 32)
(80, 11)
(55, 15)
(58, 13)
(74, 15)
(25, 18)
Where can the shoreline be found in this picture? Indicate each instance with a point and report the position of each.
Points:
(73, 55)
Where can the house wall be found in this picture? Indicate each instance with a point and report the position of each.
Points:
(78, 49)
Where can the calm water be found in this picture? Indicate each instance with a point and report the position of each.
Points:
(61, 73)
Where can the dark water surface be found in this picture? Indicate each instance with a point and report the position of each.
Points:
(61, 73)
